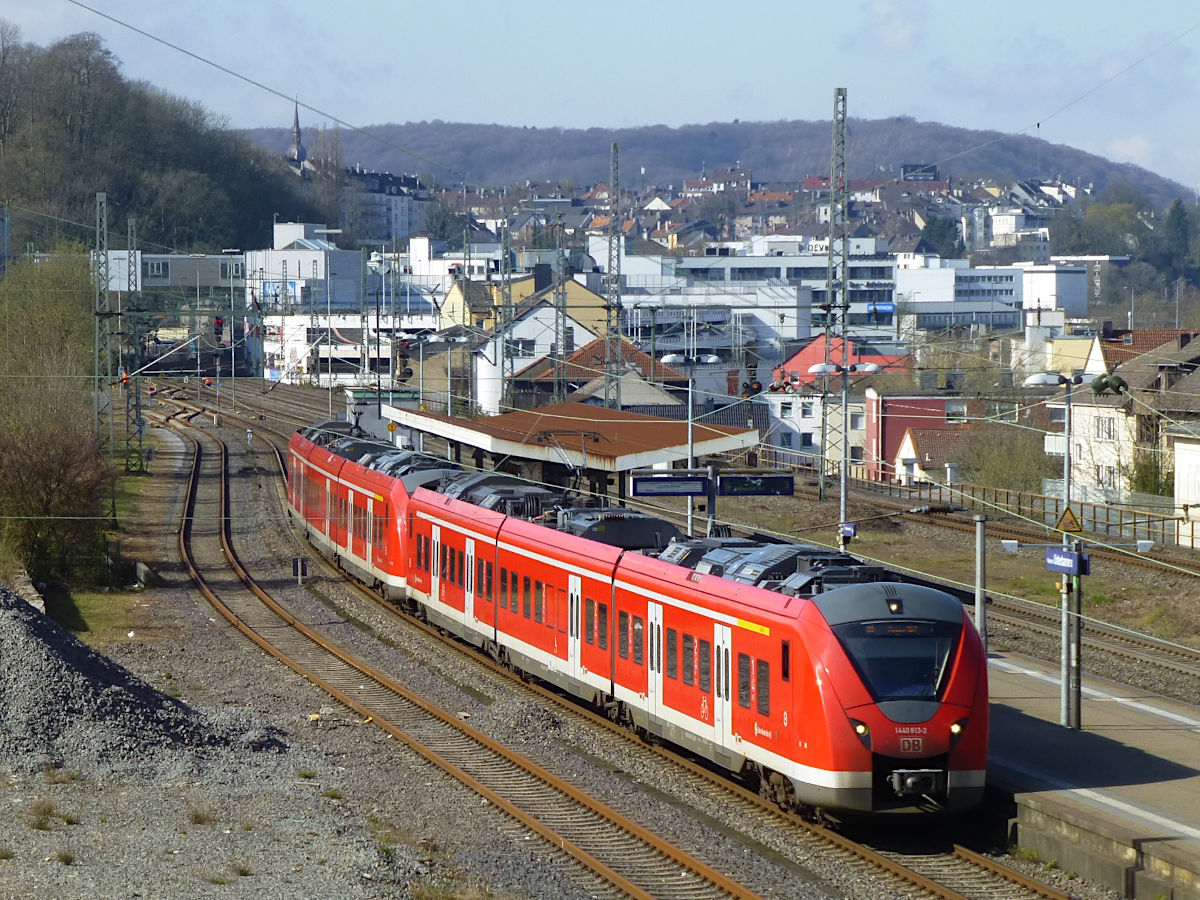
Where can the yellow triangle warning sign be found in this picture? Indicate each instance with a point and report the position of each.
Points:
(1069, 522)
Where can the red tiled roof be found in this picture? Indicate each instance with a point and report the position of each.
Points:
(1124, 347)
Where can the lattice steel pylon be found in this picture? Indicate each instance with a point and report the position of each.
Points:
(506, 318)
(612, 295)
(837, 295)
(102, 379)
(561, 350)
(135, 424)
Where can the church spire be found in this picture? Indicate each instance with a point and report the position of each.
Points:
(296, 153)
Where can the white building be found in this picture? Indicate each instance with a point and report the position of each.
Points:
(531, 337)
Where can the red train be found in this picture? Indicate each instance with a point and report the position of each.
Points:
(794, 667)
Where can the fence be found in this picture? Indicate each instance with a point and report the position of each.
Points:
(1119, 522)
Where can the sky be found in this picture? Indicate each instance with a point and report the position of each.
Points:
(1116, 79)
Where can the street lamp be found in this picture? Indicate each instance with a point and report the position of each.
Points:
(677, 359)
(1049, 379)
(827, 369)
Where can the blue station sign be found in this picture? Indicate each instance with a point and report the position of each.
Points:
(756, 485)
(670, 486)
(1067, 562)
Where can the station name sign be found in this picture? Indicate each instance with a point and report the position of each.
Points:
(1067, 562)
(670, 486)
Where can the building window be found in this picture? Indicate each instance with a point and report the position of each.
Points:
(785, 410)
(806, 440)
(523, 347)
(1058, 416)
(956, 412)
(1106, 476)
(856, 454)
(156, 268)
(857, 421)
(1105, 428)
(231, 269)
(806, 409)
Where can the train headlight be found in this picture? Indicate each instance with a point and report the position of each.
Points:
(957, 730)
(863, 732)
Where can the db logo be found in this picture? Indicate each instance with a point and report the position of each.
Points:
(912, 745)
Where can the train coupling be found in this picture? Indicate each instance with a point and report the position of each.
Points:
(910, 782)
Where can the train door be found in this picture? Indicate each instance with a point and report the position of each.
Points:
(328, 509)
(574, 623)
(435, 568)
(469, 586)
(723, 709)
(653, 657)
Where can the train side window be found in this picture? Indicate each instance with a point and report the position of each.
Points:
(639, 639)
(602, 627)
(526, 597)
(689, 656)
(462, 566)
(512, 587)
(539, 606)
(672, 653)
(420, 553)
(623, 635)
(443, 561)
(785, 662)
(743, 680)
(589, 620)
(489, 594)
(764, 687)
(503, 588)
(450, 567)
(705, 666)
(478, 576)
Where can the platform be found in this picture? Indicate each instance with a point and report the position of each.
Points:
(1117, 802)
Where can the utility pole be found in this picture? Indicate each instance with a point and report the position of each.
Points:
(506, 318)
(560, 314)
(102, 380)
(135, 460)
(612, 305)
(836, 276)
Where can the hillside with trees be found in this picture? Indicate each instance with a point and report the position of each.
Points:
(71, 126)
(783, 151)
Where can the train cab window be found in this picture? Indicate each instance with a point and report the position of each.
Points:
(785, 662)
(503, 588)
(623, 635)
(602, 627)
(589, 620)
(904, 660)
(705, 665)
(639, 639)
(689, 658)
(411, 517)
(526, 597)
(764, 687)
(539, 606)
(743, 680)
(672, 653)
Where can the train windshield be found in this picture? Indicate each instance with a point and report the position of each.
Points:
(900, 660)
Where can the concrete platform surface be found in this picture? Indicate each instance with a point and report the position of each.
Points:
(1117, 801)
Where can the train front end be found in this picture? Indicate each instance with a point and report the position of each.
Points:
(906, 698)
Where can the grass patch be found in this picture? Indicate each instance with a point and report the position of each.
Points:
(448, 890)
(241, 868)
(65, 857)
(96, 616)
(307, 773)
(6, 853)
(201, 814)
(59, 776)
(332, 794)
(218, 879)
(1099, 599)
(40, 811)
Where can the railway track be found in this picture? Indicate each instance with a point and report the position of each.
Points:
(618, 856)
(948, 875)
